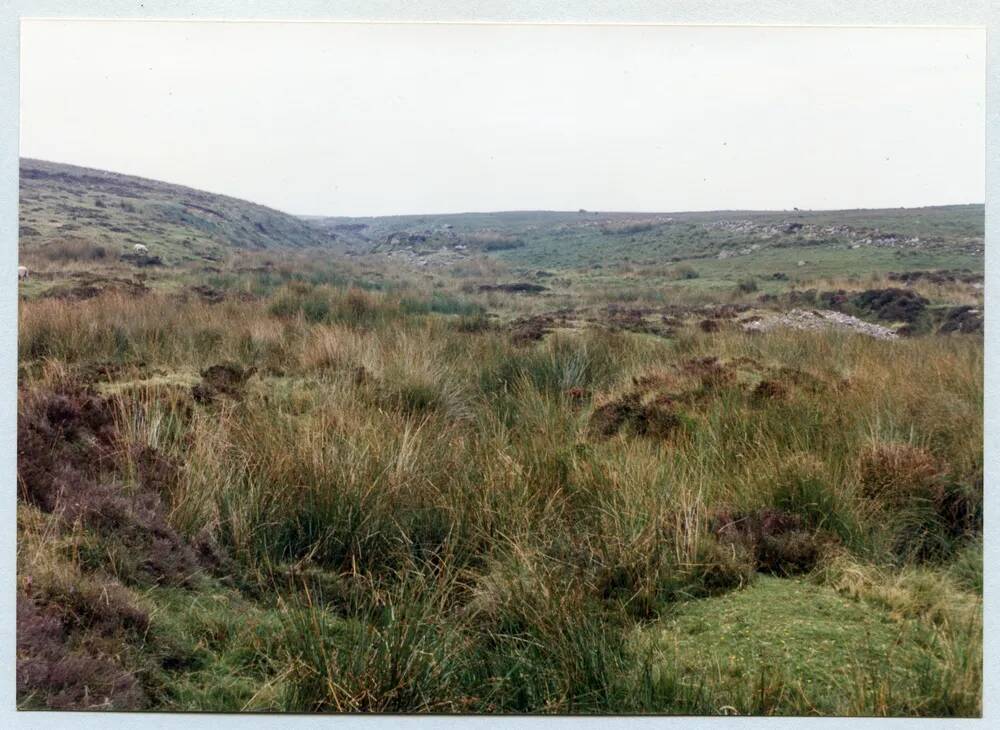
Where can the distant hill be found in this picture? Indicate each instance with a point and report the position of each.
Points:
(77, 213)
(950, 235)
(65, 207)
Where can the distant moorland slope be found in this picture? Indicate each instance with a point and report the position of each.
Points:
(64, 206)
(949, 235)
(76, 214)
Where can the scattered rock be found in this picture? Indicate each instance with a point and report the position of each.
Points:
(818, 320)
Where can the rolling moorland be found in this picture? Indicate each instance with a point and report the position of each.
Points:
(549, 462)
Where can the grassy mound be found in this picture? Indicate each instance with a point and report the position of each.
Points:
(792, 647)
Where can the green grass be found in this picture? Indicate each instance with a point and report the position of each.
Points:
(831, 262)
(792, 647)
(209, 649)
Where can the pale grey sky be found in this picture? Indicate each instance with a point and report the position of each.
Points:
(362, 119)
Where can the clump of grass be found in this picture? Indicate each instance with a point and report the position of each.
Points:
(400, 658)
(555, 367)
(803, 488)
(439, 303)
(474, 323)
(310, 303)
(967, 568)
(896, 473)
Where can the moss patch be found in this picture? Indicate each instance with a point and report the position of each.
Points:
(791, 645)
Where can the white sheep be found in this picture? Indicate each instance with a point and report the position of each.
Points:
(22, 273)
(139, 248)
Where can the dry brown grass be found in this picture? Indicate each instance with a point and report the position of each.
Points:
(372, 444)
(896, 473)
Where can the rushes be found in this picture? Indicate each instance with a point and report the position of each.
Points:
(470, 543)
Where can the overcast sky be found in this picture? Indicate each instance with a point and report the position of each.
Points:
(359, 119)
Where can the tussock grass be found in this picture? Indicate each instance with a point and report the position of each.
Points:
(420, 516)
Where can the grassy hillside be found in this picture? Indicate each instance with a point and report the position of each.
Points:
(74, 218)
(74, 213)
(628, 256)
(953, 234)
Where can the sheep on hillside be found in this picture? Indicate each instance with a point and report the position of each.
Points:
(22, 273)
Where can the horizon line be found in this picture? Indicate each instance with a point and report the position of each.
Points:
(579, 211)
